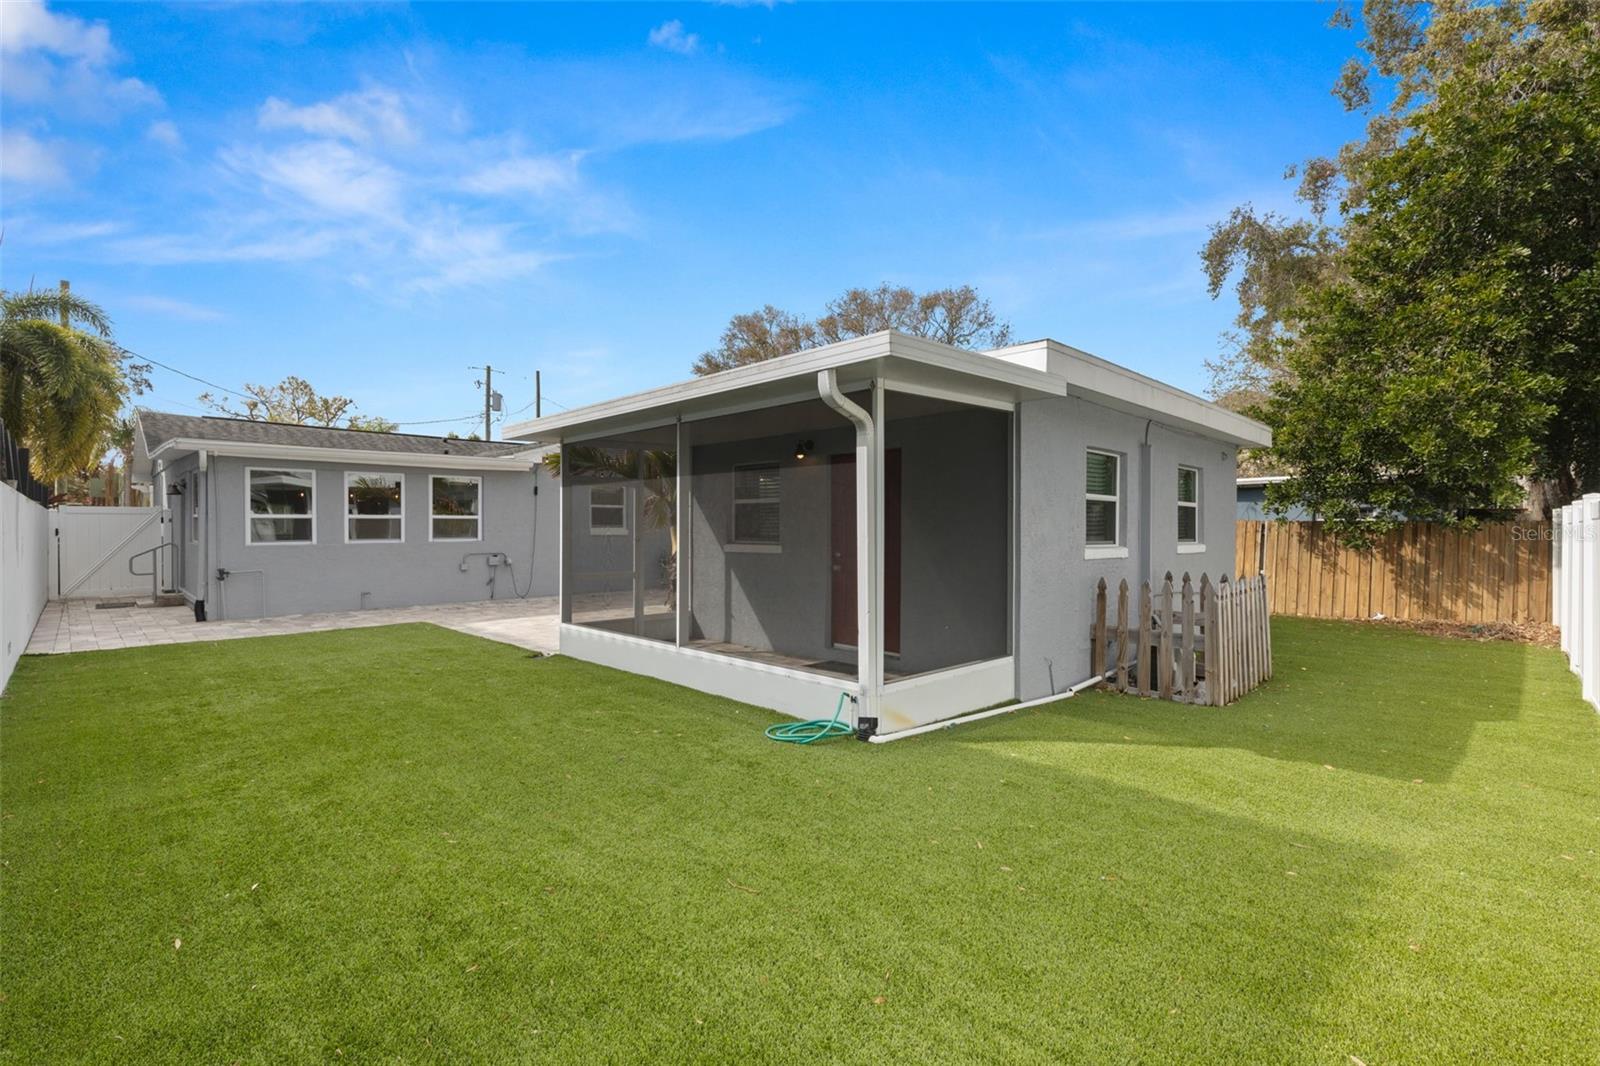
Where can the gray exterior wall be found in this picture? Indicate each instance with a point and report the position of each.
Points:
(1055, 582)
(184, 474)
(332, 575)
(955, 558)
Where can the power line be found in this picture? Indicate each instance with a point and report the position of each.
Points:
(185, 373)
(438, 421)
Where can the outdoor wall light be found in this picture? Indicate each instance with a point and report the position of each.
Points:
(802, 448)
(174, 490)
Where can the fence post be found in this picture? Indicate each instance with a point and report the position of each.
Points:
(1122, 636)
(1164, 659)
(1266, 624)
(1186, 652)
(1558, 572)
(1097, 652)
(1208, 608)
(1142, 661)
(1589, 628)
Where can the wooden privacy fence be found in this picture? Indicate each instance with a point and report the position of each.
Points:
(1419, 572)
(1212, 652)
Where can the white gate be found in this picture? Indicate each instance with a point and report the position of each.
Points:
(90, 548)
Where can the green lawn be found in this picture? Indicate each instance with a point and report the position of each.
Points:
(408, 844)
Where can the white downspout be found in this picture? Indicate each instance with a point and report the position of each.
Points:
(869, 573)
(203, 574)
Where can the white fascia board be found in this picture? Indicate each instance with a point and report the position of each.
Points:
(1108, 384)
(299, 453)
(777, 381)
(1264, 479)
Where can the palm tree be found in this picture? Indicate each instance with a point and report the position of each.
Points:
(61, 383)
(655, 469)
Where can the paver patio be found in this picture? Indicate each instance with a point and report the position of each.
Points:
(78, 625)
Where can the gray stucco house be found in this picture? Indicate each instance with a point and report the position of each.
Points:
(271, 519)
(914, 525)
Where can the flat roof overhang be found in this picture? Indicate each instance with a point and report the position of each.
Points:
(901, 362)
(291, 453)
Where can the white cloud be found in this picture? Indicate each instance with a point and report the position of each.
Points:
(28, 27)
(323, 175)
(61, 64)
(30, 161)
(165, 133)
(375, 114)
(670, 35)
(536, 175)
(180, 309)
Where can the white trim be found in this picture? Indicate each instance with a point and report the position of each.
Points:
(1264, 479)
(928, 697)
(348, 517)
(297, 453)
(1100, 497)
(749, 548)
(1105, 551)
(479, 516)
(250, 515)
(1190, 547)
(1199, 490)
(1104, 382)
(885, 353)
(798, 693)
(960, 396)
(609, 531)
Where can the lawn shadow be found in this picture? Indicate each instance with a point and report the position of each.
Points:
(1358, 697)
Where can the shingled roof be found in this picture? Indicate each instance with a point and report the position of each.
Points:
(159, 427)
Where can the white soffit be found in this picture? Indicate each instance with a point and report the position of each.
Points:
(895, 358)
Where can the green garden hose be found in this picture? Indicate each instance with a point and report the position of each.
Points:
(815, 729)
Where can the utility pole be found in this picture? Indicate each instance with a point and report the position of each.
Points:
(488, 400)
(491, 400)
(538, 397)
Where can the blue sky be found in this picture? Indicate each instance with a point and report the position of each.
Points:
(377, 198)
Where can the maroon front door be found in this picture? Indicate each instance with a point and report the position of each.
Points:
(843, 550)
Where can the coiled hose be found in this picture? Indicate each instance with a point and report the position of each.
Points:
(813, 730)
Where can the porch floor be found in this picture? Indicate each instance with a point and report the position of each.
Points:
(78, 625)
(831, 667)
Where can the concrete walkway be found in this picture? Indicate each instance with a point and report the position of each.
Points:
(78, 625)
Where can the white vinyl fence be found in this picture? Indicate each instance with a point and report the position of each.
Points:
(91, 546)
(1577, 589)
(24, 540)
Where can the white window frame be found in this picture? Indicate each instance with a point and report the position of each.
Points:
(348, 517)
(605, 530)
(479, 516)
(759, 546)
(249, 515)
(1117, 549)
(1190, 547)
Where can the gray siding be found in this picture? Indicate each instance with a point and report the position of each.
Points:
(332, 575)
(1055, 583)
(954, 545)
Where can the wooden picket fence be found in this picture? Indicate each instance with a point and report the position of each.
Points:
(1420, 571)
(1210, 652)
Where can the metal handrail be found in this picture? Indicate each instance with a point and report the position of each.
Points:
(155, 567)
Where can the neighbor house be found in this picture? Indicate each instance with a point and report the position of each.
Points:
(273, 519)
(916, 526)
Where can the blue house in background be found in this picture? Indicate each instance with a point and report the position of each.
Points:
(1252, 500)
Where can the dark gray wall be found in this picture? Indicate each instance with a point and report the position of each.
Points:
(1055, 587)
(954, 543)
(332, 575)
(184, 474)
